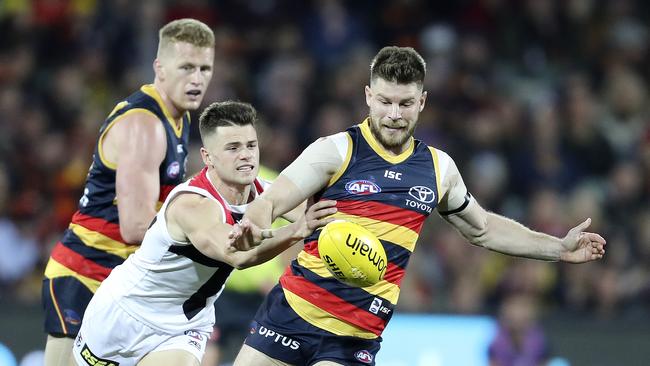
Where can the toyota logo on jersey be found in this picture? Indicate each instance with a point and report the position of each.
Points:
(422, 194)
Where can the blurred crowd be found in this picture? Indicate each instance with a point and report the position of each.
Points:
(543, 104)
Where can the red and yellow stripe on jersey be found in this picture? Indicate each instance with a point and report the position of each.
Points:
(92, 245)
(389, 195)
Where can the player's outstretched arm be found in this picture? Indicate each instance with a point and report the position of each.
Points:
(273, 242)
(199, 220)
(308, 174)
(500, 234)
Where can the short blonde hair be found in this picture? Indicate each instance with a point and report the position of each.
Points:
(186, 30)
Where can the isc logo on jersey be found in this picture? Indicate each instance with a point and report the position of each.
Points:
(362, 187)
(376, 307)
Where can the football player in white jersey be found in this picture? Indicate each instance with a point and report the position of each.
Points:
(157, 307)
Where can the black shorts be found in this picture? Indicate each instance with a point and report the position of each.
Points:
(280, 333)
(64, 300)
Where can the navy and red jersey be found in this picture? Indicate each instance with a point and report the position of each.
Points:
(92, 245)
(391, 196)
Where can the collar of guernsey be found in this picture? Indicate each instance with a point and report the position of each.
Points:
(151, 91)
(379, 150)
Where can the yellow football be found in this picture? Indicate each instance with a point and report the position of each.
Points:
(352, 253)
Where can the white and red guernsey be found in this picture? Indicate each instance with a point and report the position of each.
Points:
(170, 285)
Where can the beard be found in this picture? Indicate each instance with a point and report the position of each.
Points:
(392, 141)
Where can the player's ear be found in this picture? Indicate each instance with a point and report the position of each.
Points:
(423, 100)
(368, 95)
(158, 70)
(205, 156)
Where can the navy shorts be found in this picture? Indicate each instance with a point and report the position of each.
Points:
(280, 333)
(64, 300)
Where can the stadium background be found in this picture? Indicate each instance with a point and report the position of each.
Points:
(543, 104)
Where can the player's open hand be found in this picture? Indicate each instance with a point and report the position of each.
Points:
(245, 236)
(317, 215)
(581, 246)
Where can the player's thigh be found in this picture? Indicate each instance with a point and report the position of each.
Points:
(212, 354)
(250, 356)
(328, 363)
(58, 351)
(64, 303)
(172, 357)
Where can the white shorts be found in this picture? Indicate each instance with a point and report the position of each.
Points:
(111, 336)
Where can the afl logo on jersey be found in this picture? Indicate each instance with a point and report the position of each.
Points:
(173, 170)
(362, 187)
(363, 356)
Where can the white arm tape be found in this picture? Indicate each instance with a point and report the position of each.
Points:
(452, 184)
(311, 171)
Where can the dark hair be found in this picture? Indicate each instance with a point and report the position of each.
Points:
(402, 65)
(228, 113)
